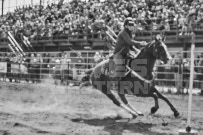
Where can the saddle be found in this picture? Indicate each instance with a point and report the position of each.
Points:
(108, 67)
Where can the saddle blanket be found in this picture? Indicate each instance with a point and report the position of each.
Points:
(108, 68)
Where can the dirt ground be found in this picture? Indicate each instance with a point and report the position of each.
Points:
(45, 109)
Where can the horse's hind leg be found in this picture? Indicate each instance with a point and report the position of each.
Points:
(123, 98)
(110, 95)
(176, 113)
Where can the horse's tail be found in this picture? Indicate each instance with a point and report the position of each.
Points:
(85, 80)
(87, 75)
(88, 72)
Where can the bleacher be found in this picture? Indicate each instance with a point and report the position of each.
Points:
(57, 27)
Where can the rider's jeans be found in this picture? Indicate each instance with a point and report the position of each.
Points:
(119, 66)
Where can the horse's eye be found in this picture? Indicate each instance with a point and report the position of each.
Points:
(159, 49)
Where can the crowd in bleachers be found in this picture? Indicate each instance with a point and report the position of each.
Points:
(79, 17)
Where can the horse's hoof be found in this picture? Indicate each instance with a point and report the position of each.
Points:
(134, 116)
(153, 110)
(140, 114)
(81, 86)
(176, 114)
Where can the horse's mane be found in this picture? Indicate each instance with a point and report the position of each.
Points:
(144, 49)
(148, 44)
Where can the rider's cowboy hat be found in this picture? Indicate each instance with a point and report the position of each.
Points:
(131, 23)
(128, 21)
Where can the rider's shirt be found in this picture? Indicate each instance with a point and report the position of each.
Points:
(124, 41)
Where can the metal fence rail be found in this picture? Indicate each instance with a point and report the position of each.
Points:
(67, 68)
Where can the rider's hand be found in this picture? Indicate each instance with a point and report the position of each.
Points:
(143, 43)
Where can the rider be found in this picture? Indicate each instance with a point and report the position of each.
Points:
(123, 45)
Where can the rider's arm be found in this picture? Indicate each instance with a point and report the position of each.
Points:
(128, 40)
(133, 48)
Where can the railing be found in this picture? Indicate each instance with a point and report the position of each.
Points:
(175, 75)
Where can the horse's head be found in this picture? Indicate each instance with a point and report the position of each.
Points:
(160, 51)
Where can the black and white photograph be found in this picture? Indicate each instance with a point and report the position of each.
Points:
(101, 67)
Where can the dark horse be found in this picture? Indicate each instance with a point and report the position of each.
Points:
(138, 79)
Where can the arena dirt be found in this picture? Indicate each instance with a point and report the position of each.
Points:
(46, 109)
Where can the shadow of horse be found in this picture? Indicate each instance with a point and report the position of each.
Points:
(114, 127)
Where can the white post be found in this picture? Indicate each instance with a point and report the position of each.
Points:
(191, 85)
(188, 130)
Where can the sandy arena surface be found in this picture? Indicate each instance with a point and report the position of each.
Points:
(45, 109)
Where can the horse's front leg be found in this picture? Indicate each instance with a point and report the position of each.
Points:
(155, 96)
(123, 98)
(176, 113)
(156, 107)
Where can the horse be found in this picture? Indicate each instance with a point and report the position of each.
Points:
(138, 78)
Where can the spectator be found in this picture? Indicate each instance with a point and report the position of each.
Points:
(8, 60)
(32, 69)
(200, 71)
(65, 61)
(78, 65)
(160, 74)
(97, 57)
(38, 66)
(169, 73)
(116, 26)
(186, 72)
(184, 30)
(178, 71)
(79, 61)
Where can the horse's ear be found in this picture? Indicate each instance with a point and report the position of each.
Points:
(164, 38)
(157, 37)
(154, 37)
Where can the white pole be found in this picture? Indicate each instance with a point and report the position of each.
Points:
(9, 6)
(191, 85)
(189, 130)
